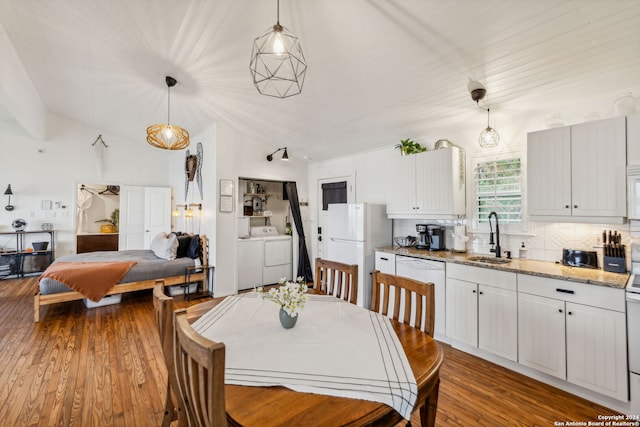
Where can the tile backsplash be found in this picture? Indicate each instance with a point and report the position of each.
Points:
(545, 243)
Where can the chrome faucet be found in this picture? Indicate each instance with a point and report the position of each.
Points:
(495, 249)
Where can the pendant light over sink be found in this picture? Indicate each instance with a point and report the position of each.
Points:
(277, 63)
(489, 137)
(168, 137)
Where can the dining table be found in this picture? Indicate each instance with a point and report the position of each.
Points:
(251, 405)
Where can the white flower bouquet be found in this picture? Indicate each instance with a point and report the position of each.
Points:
(291, 296)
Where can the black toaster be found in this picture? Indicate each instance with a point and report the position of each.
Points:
(580, 258)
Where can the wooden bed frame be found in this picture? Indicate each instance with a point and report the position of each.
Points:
(39, 300)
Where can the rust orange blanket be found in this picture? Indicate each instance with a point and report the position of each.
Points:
(91, 279)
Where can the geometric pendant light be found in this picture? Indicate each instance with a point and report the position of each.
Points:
(488, 138)
(168, 137)
(277, 63)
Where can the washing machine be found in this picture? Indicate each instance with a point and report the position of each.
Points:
(277, 254)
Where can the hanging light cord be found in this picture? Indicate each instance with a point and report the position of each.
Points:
(278, 13)
(169, 108)
(488, 114)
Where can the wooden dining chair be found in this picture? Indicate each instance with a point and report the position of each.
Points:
(337, 279)
(417, 297)
(163, 306)
(200, 370)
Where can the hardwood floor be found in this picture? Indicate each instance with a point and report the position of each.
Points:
(104, 367)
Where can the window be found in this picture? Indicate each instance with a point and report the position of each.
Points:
(498, 187)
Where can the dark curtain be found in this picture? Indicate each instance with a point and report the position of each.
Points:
(304, 265)
(333, 192)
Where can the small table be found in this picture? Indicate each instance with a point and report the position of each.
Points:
(208, 274)
(280, 406)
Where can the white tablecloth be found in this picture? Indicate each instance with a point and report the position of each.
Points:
(336, 349)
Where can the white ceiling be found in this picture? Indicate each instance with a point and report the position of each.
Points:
(378, 71)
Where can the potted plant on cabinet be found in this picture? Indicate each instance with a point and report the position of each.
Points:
(112, 222)
(408, 146)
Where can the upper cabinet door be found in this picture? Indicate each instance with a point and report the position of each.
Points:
(428, 185)
(402, 198)
(549, 172)
(633, 140)
(438, 187)
(598, 168)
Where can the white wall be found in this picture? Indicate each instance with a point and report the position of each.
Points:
(50, 170)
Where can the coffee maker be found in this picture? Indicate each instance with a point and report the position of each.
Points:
(422, 242)
(436, 237)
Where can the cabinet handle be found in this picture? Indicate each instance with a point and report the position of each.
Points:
(569, 313)
(575, 206)
(384, 259)
(567, 206)
(481, 293)
(559, 310)
(565, 291)
(474, 291)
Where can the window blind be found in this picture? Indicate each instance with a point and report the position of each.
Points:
(498, 186)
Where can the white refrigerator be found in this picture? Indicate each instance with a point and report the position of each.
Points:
(354, 230)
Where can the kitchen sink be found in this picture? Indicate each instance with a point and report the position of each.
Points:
(489, 260)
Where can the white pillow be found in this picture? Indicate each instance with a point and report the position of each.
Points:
(165, 246)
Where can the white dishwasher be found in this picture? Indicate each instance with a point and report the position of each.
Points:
(431, 272)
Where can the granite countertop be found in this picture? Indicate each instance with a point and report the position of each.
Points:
(525, 266)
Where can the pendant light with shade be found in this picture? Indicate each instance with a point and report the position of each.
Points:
(168, 137)
(489, 137)
(277, 63)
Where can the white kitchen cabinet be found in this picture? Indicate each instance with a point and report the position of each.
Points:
(578, 173)
(497, 326)
(481, 309)
(385, 262)
(633, 140)
(462, 311)
(549, 172)
(541, 332)
(575, 332)
(597, 349)
(428, 184)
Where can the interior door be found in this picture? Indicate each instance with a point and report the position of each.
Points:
(157, 212)
(131, 218)
(144, 212)
(321, 246)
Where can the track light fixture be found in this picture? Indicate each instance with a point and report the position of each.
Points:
(285, 155)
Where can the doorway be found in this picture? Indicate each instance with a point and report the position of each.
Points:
(332, 190)
(97, 217)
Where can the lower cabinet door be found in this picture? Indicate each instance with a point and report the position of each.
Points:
(597, 350)
(541, 334)
(497, 321)
(462, 311)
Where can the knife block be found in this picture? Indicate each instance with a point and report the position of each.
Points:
(614, 264)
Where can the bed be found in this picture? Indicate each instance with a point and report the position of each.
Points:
(143, 274)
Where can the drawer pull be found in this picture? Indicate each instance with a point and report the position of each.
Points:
(384, 259)
(565, 291)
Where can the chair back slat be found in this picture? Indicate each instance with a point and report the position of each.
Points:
(337, 279)
(415, 299)
(200, 370)
(163, 308)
